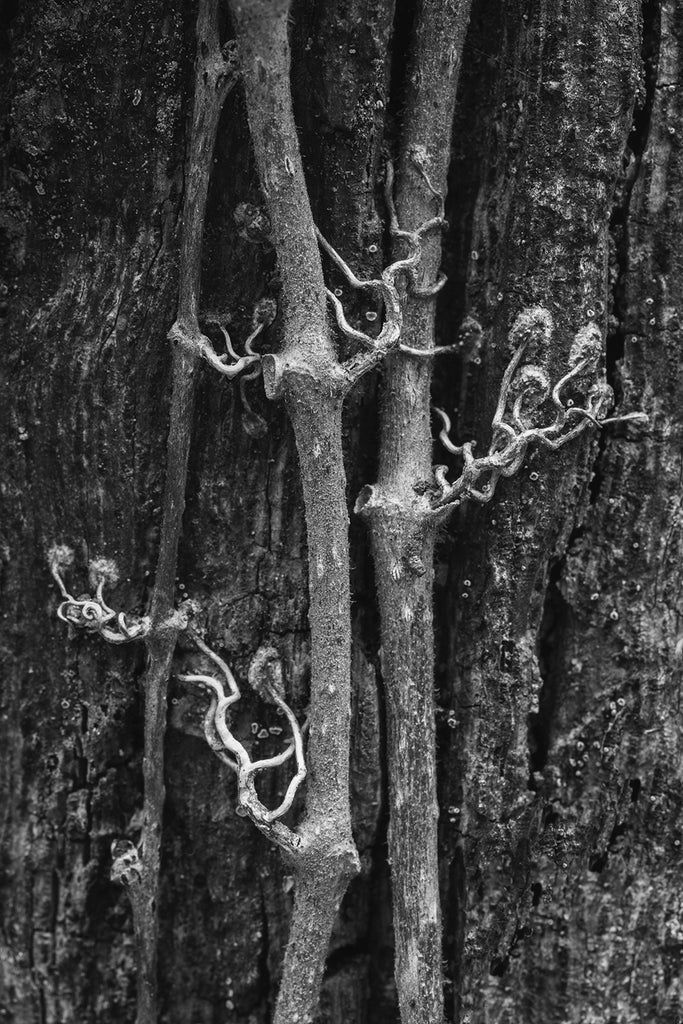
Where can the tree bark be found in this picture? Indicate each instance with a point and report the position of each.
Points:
(558, 606)
(543, 728)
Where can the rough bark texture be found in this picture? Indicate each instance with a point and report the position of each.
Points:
(560, 629)
(558, 607)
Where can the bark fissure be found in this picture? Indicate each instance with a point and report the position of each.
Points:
(550, 656)
(619, 220)
(555, 618)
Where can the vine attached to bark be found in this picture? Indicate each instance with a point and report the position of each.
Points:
(137, 866)
(405, 506)
(215, 75)
(402, 543)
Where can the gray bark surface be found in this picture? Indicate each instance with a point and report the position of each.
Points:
(558, 607)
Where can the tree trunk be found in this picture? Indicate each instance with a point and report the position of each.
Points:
(557, 606)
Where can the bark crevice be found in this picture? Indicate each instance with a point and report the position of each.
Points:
(550, 657)
(619, 219)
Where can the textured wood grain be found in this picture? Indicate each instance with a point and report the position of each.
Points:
(561, 638)
(560, 889)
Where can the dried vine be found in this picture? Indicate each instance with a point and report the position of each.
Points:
(265, 677)
(402, 544)
(137, 867)
(525, 394)
(403, 509)
(215, 75)
(306, 373)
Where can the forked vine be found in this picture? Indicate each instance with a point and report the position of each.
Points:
(404, 507)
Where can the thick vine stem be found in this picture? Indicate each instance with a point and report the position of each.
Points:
(396, 509)
(214, 76)
(306, 373)
(327, 859)
(216, 72)
(261, 29)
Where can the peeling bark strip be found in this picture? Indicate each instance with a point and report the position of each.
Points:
(402, 539)
(308, 375)
(213, 80)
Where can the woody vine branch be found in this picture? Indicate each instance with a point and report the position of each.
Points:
(307, 373)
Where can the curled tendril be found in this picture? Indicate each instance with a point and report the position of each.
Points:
(239, 363)
(229, 364)
(230, 750)
(390, 282)
(94, 614)
(524, 394)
